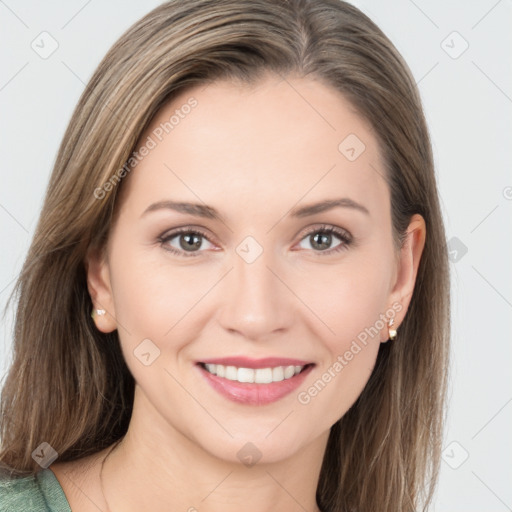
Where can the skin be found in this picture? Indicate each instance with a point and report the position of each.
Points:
(253, 153)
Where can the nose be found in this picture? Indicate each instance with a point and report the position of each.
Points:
(256, 303)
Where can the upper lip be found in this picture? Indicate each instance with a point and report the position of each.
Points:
(245, 362)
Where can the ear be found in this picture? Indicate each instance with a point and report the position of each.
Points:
(98, 284)
(407, 269)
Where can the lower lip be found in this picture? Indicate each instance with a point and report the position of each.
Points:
(251, 393)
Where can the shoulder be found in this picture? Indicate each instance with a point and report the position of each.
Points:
(18, 493)
(34, 493)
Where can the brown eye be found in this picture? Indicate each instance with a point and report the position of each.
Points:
(321, 240)
(185, 242)
(190, 241)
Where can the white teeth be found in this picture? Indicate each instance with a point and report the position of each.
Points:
(263, 376)
(210, 367)
(289, 371)
(245, 375)
(231, 373)
(277, 374)
(256, 375)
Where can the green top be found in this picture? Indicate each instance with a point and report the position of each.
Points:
(34, 493)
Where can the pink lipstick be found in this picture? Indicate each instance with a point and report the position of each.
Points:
(254, 381)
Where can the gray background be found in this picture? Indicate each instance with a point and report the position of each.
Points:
(467, 94)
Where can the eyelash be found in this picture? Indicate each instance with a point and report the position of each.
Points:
(343, 235)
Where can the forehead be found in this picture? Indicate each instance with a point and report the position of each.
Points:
(279, 140)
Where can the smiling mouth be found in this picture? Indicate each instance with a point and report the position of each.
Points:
(266, 375)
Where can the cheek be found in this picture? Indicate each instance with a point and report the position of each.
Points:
(357, 303)
(153, 296)
(352, 309)
(351, 296)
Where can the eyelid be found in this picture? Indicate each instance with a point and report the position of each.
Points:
(341, 232)
(170, 233)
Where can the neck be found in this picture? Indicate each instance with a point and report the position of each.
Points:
(182, 475)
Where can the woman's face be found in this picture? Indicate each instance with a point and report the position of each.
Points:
(286, 252)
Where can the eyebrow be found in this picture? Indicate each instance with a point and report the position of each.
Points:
(208, 212)
(198, 210)
(328, 204)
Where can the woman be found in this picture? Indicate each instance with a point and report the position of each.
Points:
(246, 202)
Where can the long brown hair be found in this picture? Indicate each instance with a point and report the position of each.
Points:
(68, 384)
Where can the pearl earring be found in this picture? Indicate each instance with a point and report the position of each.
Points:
(99, 312)
(392, 332)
